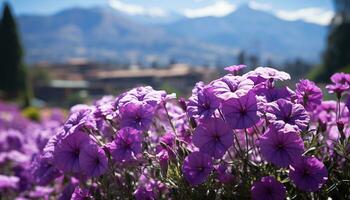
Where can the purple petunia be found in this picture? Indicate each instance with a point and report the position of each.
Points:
(341, 78)
(281, 145)
(66, 153)
(262, 74)
(213, 137)
(127, 146)
(268, 188)
(234, 69)
(231, 86)
(8, 182)
(309, 95)
(347, 103)
(79, 119)
(242, 112)
(197, 167)
(145, 95)
(43, 171)
(309, 174)
(337, 89)
(289, 113)
(93, 161)
(203, 103)
(136, 115)
(273, 94)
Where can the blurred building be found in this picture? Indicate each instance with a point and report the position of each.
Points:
(73, 78)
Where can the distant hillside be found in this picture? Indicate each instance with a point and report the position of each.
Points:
(103, 35)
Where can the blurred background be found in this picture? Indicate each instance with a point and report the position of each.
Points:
(64, 52)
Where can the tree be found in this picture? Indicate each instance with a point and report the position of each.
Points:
(337, 55)
(13, 79)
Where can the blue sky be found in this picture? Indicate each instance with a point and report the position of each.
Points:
(316, 11)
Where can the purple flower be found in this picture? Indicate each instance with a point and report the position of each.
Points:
(262, 74)
(142, 95)
(213, 137)
(281, 145)
(67, 151)
(136, 115)
(309, 174)
(347, 103)
(309, 95)
(127, 145)
(82, 118)
(242, 112)
(273, 94)
(43, 171)
(93, 161)
(341, 78)
(197, 167)
(268, 188)
(8, 182)
(338, 89)
(80, 194)
(234, 69)
(289, 113)
(231, 86)
(41, 192)
(224, 174)
(202, 104)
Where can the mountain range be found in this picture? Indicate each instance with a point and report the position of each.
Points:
(101, 34)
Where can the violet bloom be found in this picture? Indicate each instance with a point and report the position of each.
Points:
(93, 161)
(213, 137)
(8, 182)
(197, 167)
(127, 146)
(309, 95)
(234, 69)
(231, 86)
(224, 174)
(268, 188)
(347, 103)
(262, 74)
(143, 95)
(309, 174)
(66, 153)
(273, 94)
(80, 194)
(341, 78)
(136, 115)
(338, 89)
(43, 171)
(82, 118)
(289, 113)
(202, 104)
(242, 112)
(281, 145)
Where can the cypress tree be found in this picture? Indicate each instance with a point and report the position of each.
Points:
(13, 80)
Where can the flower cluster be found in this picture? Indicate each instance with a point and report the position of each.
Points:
(239, 136)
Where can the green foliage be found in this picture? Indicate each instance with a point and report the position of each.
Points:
(13, 81)
(32, 113)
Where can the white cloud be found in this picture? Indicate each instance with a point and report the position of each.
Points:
(133, 9)
(218, 9)
(312, 15)
(260, 6)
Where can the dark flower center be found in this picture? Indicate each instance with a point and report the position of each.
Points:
(216, 138)
(306, 173)
(243, 111)
(280, 146)
(76, 152)
(200, 169)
